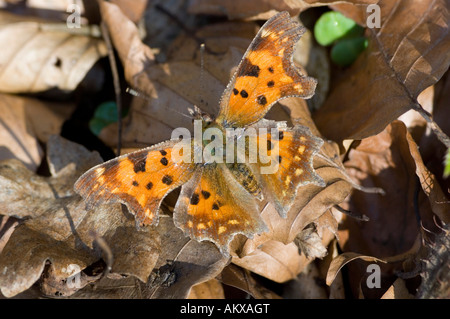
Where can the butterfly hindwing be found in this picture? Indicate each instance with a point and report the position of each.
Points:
(265, 75)
(140, 180)
(291, 152)
(214, 206)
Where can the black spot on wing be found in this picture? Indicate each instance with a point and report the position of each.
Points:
(138, 160)
(261, 100)
(167, 179)
(248, 69)
(164, 161)
(195, 199)
(206, 194)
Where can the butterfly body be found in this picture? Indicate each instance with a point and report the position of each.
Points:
(238, 159)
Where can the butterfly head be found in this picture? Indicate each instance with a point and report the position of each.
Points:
(198, 114)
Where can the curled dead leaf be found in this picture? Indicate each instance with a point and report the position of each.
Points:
(57, 234)
(404, 57)
(260, 9)
(343, 259)
(29, 66)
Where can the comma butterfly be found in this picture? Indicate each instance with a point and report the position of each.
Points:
(219, 200)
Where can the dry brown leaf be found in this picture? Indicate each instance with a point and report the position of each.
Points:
(310, 243)
(431, 149)
(16, 140)
(30, 67)
(306, 286)
(435, 271)
(211, 289)
(404, 57)
(375, 162)
(242, 279)
(430, 185)
(134, 252)
(398, 290)
(182, 263)
(24, 122)
(343, 259)
(391, 160)
(260, 9)
(7, 226)
(273, 259)
(133, 9)
(337, 287)
(57, 234)
(135, 56)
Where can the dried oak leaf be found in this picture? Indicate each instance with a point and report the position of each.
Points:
(243, 279)
(30, 67)
(24, 122)
(260, 9)
(436, 268)
(391, 161)
(404, 57)
(375, 162)
(56, 229)
(182, 263)
(211, 289)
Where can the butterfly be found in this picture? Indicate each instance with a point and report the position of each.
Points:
(220, 199)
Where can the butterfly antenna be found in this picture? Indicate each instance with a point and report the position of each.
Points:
(140, 94)
(202, 70)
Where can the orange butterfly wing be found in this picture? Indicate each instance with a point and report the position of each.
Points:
(265, 75)
(140, 180)
(214, 206)
(291, 150)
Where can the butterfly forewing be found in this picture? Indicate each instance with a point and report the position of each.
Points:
(265, 75)
(140, 180)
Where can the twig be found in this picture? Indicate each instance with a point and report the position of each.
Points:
(117, 89)
(352, 214)
(433, 125)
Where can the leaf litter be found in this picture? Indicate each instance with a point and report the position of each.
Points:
(48, 239)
